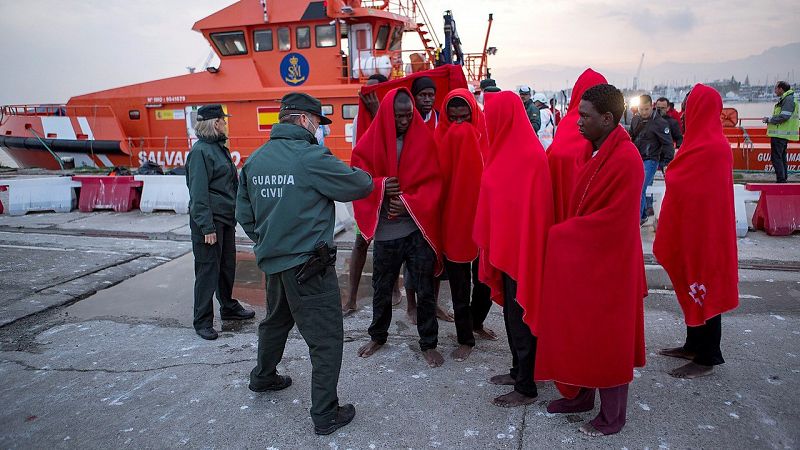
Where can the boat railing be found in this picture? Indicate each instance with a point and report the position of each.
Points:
(413, 9)
(407, 8)
(57, 110)
(749, 136)
(338, 144)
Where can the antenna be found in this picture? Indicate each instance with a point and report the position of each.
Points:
(638, 72)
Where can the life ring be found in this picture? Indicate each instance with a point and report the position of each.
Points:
(729, 117)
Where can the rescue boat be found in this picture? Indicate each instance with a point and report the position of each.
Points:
(751, 145)
(266, 49)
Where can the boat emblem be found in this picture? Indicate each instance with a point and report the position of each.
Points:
(698, 293)
(294, 69)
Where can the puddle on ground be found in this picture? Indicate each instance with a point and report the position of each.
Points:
(250, 280)
(250, 283)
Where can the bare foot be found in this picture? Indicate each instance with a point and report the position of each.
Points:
(369, 349)
(677, 352)
(442, 314)
(513, 399)
(349, 308)
(589, 430)
(506, 380)
(692, 370)
(462, 352)
(487, 334)
(433, 358)
(411, 315)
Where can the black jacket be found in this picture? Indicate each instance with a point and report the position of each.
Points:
(675, 131)
(211, 178)
(653, 138)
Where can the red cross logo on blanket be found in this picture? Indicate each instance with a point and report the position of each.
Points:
(698, 293)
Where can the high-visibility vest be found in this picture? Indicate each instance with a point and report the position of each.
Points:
(787, 130)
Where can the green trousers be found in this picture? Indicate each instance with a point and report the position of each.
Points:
(315, 306)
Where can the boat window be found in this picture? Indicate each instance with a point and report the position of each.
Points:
(284, 44)
(326, 35)
(230, 43)
(383, 37)
(349, 111)
(362, 43)
(134, 114)
(397, 39)
(303, 37)
(262, 40)
(327, 109)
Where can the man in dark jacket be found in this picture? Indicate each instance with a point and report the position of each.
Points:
(211, 177)
(663, 108)
(285, 205)
(651, 134)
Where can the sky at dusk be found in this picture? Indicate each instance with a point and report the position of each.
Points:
(54, 49)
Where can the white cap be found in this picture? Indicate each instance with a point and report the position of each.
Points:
(539, 97)
(524, 89)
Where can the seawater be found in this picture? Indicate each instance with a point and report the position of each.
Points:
(754, 110)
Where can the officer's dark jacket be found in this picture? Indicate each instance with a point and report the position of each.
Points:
(211, 177)
(533, 115)
(674, 131)
(653, 138)
(286, 193)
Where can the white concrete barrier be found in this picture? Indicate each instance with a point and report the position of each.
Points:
(741, 199)
(658, 197)
(746, 202)
(344, 217)
(39, 194)
(164, 192)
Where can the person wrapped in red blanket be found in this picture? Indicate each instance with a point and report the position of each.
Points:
(696, 235)
(462, 142)
(515, 210)
(402, 215)
(566, 154)
(445, 78)
(590, 321)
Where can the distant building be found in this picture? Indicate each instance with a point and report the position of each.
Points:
(724, 87)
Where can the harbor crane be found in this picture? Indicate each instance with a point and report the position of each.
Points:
(638, 73)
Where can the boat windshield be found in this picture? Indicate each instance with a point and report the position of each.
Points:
(303, 37)
(262, 40)
(326, 35)
(283, 39)
(397, 39)
(383, 37)
(230, 43)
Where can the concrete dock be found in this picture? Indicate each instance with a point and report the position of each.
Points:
(97, 350)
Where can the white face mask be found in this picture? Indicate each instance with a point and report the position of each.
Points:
(313, 129)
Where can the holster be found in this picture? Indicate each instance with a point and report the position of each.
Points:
(322, 257)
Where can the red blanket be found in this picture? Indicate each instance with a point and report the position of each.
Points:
(478, 118)
(515, 206)
(696, 236)
(591, 318)
(418, 173)
(461, 166)
(461, 149)
(569, 149)
(447, 78)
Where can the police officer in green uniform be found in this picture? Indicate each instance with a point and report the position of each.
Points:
(285, 204)
(782, 127)
(211, 177)
(534, 116)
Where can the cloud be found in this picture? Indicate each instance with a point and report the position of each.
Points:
(650, 22)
